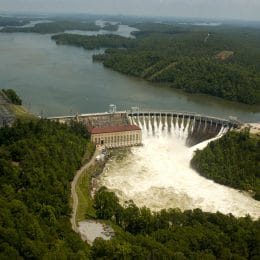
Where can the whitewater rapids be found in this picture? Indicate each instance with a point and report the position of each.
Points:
(158, 175)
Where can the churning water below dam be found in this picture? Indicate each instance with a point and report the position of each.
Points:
(158, 175)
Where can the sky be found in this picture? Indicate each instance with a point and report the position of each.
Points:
(214, 9)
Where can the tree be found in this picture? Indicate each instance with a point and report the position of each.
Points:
(12, 96)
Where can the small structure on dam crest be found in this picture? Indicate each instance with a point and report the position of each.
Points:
(111, 129)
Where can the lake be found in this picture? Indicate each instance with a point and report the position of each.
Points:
(60, 80)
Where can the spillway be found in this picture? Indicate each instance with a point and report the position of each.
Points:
(158, 174)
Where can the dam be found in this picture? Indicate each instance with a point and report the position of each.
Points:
(157, 174)
(192, 127)
(124, 128)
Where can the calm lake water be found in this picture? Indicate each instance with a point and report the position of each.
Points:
(59, 80)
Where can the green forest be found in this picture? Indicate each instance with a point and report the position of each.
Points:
(12, 96)
(93, 42)
(222, 61)
(38, 160)
(233, 160)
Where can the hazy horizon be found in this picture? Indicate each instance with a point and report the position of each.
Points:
(201, 9)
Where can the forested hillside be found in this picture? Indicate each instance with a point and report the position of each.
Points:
(233, 160)
(38, 160)
(222, 61)
(93, 42)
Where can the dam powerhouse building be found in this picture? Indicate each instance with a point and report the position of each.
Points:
(111, 129)
(117, 136)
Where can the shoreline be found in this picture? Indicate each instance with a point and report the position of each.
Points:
(254, 128)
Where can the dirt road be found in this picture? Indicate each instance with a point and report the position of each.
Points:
(74, 193)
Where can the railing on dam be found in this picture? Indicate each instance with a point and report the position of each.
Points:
(231, 122)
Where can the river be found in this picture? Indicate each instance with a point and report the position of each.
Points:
(59, 80)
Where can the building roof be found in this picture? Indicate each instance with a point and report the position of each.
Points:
(112, 129)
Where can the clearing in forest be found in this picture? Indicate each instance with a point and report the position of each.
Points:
(223, 55)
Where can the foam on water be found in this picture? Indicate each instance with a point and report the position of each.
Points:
(158, 175)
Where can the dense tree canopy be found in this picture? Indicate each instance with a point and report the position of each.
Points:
(12, 96)
(233, 160)
(38, 160)
(93, 42)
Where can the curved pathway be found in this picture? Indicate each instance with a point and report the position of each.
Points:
(74, 194)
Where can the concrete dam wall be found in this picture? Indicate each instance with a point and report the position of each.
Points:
(190, 127)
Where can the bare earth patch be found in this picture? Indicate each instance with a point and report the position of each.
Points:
(223, 55)
(254, 128)
(90, 230)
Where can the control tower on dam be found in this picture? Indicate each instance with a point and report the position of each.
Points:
(126, 128)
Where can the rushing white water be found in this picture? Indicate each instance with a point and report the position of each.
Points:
(158, 175)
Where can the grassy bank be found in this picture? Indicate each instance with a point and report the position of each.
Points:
(89, 153)
(21, 112)
(85, 202)
(85, 208)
